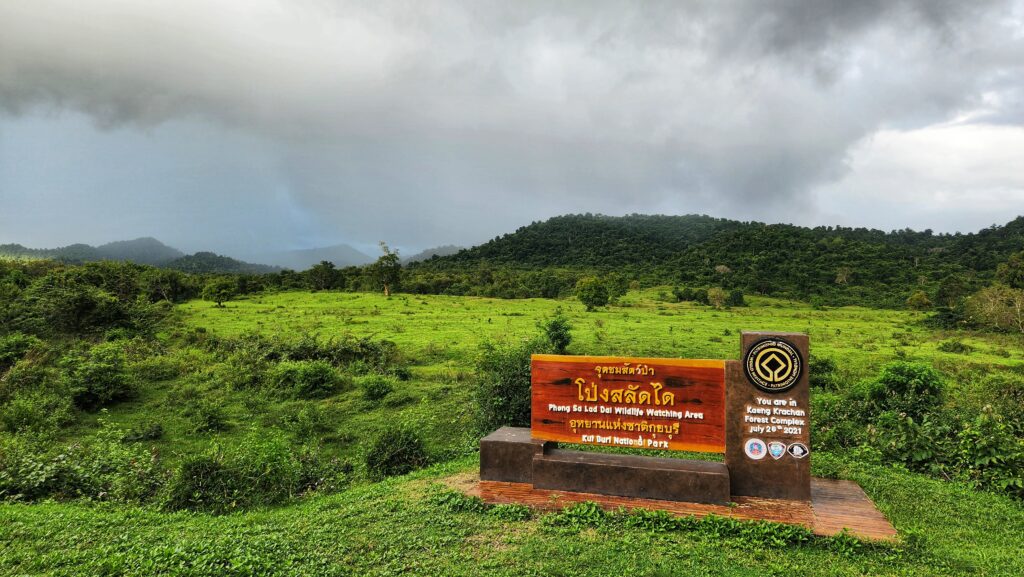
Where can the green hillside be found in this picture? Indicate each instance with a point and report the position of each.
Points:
(840, 265)
(193, 379)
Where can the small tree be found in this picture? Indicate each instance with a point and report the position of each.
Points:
(998, 307)
(322, 276)
(919, 301)
(387, 271)
(219, 291)
(557, 330)
(736, 299)
(716, 297)
(951, 290)
(592, 293)
(1011, 272)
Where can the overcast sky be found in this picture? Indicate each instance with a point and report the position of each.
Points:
(244, 126)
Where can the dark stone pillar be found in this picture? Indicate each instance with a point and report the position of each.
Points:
(767, 428)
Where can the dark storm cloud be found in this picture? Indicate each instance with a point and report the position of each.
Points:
(426, 123)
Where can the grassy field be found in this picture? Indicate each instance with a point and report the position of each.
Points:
(396, 527)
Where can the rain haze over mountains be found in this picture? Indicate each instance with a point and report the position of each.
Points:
(272, 131)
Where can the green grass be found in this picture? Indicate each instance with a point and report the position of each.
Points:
(391, 527)
(394, 527)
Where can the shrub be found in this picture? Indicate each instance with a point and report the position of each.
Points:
(203, 483)
(98, 377)
(503, 384)
(955, 346)
(837, 421)
(396, 451)
(306, 379)
(923, 445)
(156, 369)
(558, 332)
(1005, 392)
(262, 470)
(307, 421)
(592, 293)
(919, 301)
(150, 431)
(206, 414)
(908, 388)
(991, 454)
(15, 346)
(735, 299)
(27, 374)
(821, 372)
(376, 387)
(104, 469)
(716, 297)
(35, 411)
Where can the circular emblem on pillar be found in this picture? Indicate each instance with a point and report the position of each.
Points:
(773, 365)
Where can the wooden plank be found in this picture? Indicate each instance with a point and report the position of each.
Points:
(673, 404)
(835, 505)
(838, 504)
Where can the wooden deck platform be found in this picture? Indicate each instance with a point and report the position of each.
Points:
(835, 505)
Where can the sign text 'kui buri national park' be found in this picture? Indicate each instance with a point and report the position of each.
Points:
(755, 411)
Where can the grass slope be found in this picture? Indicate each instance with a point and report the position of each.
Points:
(392, 527)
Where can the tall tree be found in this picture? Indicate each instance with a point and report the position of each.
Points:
(387, 271)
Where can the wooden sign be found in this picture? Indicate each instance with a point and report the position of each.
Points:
(674, 404)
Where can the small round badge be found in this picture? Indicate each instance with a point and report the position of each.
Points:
(773, 365)
(755, 449)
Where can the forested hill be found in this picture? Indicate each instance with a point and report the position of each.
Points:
(140, 251)
(846, 264)
(144, 250)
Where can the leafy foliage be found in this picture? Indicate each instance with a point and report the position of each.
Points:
(503, 383)
(396, 451)
(592, 293)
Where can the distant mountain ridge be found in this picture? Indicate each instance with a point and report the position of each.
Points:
(341, 255)
(438, 251)
(144, 250)
(208, 262)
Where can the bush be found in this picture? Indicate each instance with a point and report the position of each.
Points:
(592, 293)
(15, 346)
(376, 387)
(1005, 392)
(307, 422)
(156, 368)
(992, 454)
(206, 414)
(955, 346)
(396, 451)
(35, 412)
(263, 470)
(306, 379)
(821, 372)
(557, 330)
(98, 377)
(912, 389)
(28, 374)
(924, 445)
(104, 469)
(735, 299)
(150, 431)
(503, 384)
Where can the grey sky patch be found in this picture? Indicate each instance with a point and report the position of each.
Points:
(257, 126)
